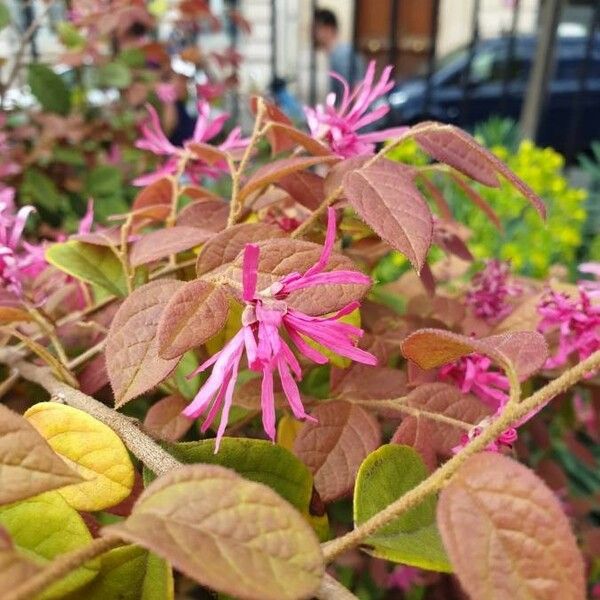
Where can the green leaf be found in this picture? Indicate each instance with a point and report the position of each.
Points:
(4, 15)
(257, 460)
(413, 538)
(50, 90)
(103, 180)
(188, 388)
(69, 35)
(129, 573)
(115, 74)
(45, 527)
(43, 191)
(132, 57)
(94, 264)
(225, 532)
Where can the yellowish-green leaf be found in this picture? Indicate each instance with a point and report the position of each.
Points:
(287, 431)
(28, 465)
(230, 534)
(129, 573)
(92, 449)
(14, 567)
(95, 264)
(44, 527)
(412, 539)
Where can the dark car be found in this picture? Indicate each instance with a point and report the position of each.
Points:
(496, 86)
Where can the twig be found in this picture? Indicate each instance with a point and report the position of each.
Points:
(85, 356)
(512, 414)
(143, 446)
(333, 590)
(236, 174)
(60, 567)
(8, 383)
(25, 38)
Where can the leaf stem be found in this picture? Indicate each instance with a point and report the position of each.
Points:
(511, 414)
(85, 356)
(60, 567)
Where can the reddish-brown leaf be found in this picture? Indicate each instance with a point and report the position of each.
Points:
(335, 446)
(12, 314)
(362, 382)
(211, 155)
(454, 147)
(224, 247)
(196, 312)
(248, 395)
(273, 171)
(132, 359)
(196, 193)
(335, 177)
(107, 237)
(165, 421)
(288, 136)
(93, 376)
(478, 201)
(154, 202)
(507, 535)
(443, 399)
(279, 142)
(28, 465)
(386, 198)
(523, 352)
(281, 257)
(208, 215)
(164, 242)
(305, 187)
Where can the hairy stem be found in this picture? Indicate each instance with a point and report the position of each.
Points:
(235, 207)
(332, 590)
(60, 567)
(142, 445)
(512, 414)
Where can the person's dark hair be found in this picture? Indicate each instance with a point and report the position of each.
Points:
(325, 17)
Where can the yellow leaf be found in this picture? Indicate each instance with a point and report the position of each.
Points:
(287, 430)
(92, 449)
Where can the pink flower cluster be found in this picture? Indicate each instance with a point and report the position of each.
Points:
(404, 578)
(576, 322)
(474, 374)
(18, 259)
(266, 316)
(154, 140)
(339, 127)
(490, 290)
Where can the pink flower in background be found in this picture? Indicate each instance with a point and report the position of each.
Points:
(490, 290)
(473, 374)
(210, 91)
(154, 140)
(505, 440)
(266, 315)
(404, 578)
(575, 321)
(166, 92)
(18, 259)
(591, 287)
(340, 126)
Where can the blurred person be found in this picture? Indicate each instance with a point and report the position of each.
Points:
(343, 59)
(285, 99)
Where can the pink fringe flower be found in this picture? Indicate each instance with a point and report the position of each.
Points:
(266, 315)
(576, 322)
(18, 259)
(473, 374)
(340, 127)
(404, 578)
(154, 140)
(490, 290)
